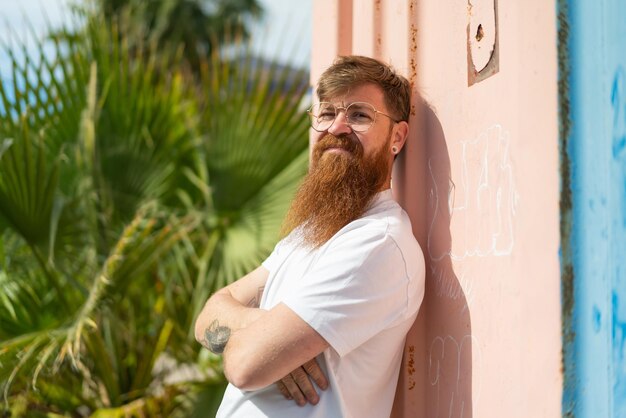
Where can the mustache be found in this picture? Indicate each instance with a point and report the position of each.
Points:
(345, 142)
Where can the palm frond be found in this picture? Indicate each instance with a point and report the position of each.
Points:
(131, 188)
(28, 184)
(256, 153)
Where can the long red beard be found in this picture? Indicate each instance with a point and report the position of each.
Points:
(337, 190)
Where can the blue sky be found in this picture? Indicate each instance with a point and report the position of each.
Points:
(285, 29)
(284, 34)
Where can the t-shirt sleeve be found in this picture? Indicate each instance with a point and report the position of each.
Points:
(357, 288)
(272, 261)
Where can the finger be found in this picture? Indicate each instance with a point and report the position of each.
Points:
(294, 390)
(305, 385)
(316, 373)
(283, 389)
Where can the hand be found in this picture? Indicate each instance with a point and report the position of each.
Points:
(297, 385)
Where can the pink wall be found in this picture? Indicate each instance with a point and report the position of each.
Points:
(479, 179)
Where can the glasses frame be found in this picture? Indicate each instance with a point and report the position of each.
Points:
(345, 108)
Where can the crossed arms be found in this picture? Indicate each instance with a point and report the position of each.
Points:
(259, 347)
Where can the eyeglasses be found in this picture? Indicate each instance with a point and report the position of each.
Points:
(360, 116)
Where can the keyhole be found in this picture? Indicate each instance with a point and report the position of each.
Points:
(480, 33)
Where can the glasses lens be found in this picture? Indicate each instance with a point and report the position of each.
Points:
(360, 116)
(322, 115)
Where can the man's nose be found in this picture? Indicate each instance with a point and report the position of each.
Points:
(340, 125)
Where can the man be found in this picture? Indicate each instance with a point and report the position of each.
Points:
(325, 317)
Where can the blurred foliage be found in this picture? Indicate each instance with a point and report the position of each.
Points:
(198, 26)
(129, 191)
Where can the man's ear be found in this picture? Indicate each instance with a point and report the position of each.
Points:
(399, 135)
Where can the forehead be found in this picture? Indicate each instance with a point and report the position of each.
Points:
(369, 93)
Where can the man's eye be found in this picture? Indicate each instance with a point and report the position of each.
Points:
(360, 117)
(326, 116)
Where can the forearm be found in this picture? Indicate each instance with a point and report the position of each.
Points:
(230, 309)
(221, 316)
(269, 349)
(265, 345)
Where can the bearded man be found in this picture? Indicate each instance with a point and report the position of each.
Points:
(322, 321)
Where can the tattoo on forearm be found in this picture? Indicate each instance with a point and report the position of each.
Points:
(216, 337)
(255, 302)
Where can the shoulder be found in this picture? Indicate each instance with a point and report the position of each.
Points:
(376, 256)
(384, 231)
(386, 223)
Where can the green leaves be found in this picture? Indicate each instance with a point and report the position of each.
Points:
(130, 189)
(28, 181)
(197, 27)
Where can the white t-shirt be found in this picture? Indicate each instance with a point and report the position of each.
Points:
(360, 291)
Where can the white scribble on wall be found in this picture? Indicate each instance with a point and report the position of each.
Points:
(487, 197)
(472, 214)
(447, 367)
(483, 202)
(472, 208)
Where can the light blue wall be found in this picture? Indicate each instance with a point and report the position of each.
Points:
(594, 119)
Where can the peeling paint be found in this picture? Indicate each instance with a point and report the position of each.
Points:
(618, 336)
(618, 333)
(596, 319)
(565, 208)
(618, 102)
(618, 239)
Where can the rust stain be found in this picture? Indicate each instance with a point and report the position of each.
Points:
(412, 76)
(413, 62)
(411, 362)
(413, 81)
(411, 366)
(565, 206)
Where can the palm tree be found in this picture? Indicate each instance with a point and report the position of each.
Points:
(196, 25)
(128, 193)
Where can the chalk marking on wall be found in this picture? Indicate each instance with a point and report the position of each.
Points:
(453, 285)
(482, 221)
(445, 279)
(434, 200)
(488, 198)
(491, 193)
(436, 374)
